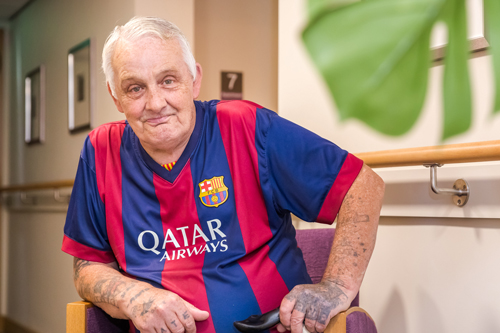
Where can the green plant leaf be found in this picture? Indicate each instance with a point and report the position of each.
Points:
(492, 16)
(456, 84)
(374, 56)
(317, 7)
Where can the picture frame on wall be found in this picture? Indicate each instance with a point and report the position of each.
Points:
(34, 105)
(476, 32)
(80, 97)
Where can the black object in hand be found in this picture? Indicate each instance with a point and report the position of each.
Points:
(258, 323)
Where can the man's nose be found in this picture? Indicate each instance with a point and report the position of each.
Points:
(156, 100)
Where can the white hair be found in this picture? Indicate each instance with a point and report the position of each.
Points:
(139, 27)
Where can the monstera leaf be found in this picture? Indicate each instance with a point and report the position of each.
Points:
(456, 87)
(492, 13)
(375, 56)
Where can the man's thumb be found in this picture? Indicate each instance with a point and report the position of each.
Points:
(197, 314)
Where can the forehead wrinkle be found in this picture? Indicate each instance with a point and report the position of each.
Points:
(132, 76)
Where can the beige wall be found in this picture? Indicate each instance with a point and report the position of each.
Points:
(36, 279)
(435, 267)
(37, 275)
(180, 12)
(238, 36)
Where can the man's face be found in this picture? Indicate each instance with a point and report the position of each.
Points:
(155, 91)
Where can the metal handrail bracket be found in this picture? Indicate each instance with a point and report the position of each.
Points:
(460, 190)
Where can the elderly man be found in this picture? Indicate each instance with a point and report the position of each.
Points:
(180, 216)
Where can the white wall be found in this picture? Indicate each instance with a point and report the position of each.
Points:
(240, 36)
(435, 267)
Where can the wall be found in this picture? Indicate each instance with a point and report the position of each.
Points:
(180, 12)
(36, 279)
(435, 266)
(3, 27)
(37, 275)
(238, 36)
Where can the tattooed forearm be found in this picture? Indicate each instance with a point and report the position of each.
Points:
(78, 265)
(106, 287)
(108, 290)
(125, 298)
(356, 230)
(130, 286)
(139, 294)
(362, 218)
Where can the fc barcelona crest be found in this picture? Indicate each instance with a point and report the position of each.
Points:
(213, 192)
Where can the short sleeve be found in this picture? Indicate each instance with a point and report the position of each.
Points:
(309, 175)
(85, 234)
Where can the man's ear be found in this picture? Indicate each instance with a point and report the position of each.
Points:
(197, 82)
(117, 103)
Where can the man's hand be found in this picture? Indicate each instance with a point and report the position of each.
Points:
(156, 310)
(312, 305)
(151, 309)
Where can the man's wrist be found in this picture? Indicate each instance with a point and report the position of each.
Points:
(346, 288)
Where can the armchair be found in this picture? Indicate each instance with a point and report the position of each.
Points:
(83, 317)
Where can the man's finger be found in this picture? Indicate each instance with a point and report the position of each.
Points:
(286, 309)
(311, 317)
(187, 321)
(297, 321)
(281, 328)
(175, 326)
(198, 315)
(311, 325)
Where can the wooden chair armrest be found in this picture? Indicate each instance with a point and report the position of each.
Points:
(76, 322)
(76, 313)
(338, 324)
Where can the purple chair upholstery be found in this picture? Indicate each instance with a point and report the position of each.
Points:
(99, 321)
(359, 322)
(316, 245)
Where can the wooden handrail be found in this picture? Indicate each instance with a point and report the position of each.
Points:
(445, 154)
(38, 186)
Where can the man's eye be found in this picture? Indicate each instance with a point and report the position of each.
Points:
(135, 89)
(168, 81)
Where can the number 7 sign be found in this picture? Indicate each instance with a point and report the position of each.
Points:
(231, 85)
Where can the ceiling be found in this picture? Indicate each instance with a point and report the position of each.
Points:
(9, 7)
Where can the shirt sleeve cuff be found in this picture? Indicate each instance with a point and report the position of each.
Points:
(346, 176)
(85, 252)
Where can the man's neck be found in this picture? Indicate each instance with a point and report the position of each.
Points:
(170, 150)
(167, 153)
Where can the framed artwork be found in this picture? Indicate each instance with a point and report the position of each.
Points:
(475, 31)
(34, 106)
(79, 87)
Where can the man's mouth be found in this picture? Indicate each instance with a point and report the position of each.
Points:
(157, 120)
